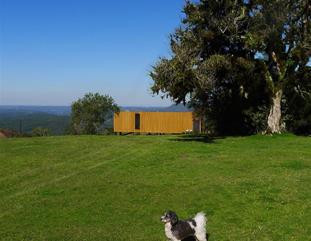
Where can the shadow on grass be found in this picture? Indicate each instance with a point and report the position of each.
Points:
(194, 239)
(196, 138)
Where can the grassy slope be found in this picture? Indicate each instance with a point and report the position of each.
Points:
(115, 188)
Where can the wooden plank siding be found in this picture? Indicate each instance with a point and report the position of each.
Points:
(154, 122)
(124, 122)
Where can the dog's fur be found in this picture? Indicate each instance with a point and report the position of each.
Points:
(177, 230)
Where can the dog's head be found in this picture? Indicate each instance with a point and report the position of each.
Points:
(170, 217)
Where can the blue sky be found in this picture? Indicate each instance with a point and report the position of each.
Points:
(53, 52)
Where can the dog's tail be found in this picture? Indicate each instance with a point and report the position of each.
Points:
(200, 229)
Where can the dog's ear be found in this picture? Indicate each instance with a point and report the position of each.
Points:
(174, 218)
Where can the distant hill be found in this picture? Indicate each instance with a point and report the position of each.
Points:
(172, 108)
(17, 109)
(65, 110)
(57, 118)
(57, 124)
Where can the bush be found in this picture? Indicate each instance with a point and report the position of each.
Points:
(39, 131)
(90, 113)
(298, 105)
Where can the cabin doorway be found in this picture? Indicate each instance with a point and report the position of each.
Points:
(137, 121)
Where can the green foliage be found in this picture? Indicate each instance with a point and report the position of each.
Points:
(298, 106)
(256, 120)
(88, 114)
(39, 131)
(115, 188)
(57, 124)
(215, 65)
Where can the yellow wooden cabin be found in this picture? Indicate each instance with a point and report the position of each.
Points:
(156, 122)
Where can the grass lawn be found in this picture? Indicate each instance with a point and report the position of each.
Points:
(115, 188)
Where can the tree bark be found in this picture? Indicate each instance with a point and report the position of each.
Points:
(274, 118)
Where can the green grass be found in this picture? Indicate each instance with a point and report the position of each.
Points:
(115, 188)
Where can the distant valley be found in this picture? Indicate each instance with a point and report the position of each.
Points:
(57, 118)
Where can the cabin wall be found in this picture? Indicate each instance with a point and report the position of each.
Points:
(124, 122)
(154, 122)
(165, 122)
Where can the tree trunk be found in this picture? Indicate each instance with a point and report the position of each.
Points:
(274, 118)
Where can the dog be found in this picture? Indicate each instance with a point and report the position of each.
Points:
(178, 230)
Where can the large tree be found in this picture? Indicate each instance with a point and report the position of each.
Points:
(88, 114)
(231, 59)
(281, 31)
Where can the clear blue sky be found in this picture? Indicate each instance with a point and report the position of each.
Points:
(54, 51)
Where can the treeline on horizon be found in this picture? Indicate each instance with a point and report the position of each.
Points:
(49, 120)
(24, 124)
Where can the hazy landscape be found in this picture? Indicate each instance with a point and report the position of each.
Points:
(56, 118)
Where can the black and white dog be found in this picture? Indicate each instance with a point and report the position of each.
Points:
(177, 230)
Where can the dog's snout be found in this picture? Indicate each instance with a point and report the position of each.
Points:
(162, 219)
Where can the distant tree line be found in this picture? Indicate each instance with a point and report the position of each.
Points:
(92, 114)
(242, 64)
(23, 123)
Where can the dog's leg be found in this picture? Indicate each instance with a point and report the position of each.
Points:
(174, 239)
(201, 237)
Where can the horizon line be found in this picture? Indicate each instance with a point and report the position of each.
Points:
(149, 106)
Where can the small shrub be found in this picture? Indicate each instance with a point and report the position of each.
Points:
(39, 131)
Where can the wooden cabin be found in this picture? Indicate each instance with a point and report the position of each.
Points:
(156, 122)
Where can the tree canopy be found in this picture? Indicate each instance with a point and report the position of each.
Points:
(232, 60)
(88, 114)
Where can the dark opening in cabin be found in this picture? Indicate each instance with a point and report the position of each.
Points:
(137, 121)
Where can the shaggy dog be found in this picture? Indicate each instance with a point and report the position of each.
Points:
(177, 230)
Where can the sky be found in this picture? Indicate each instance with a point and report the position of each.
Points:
(52, 52)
